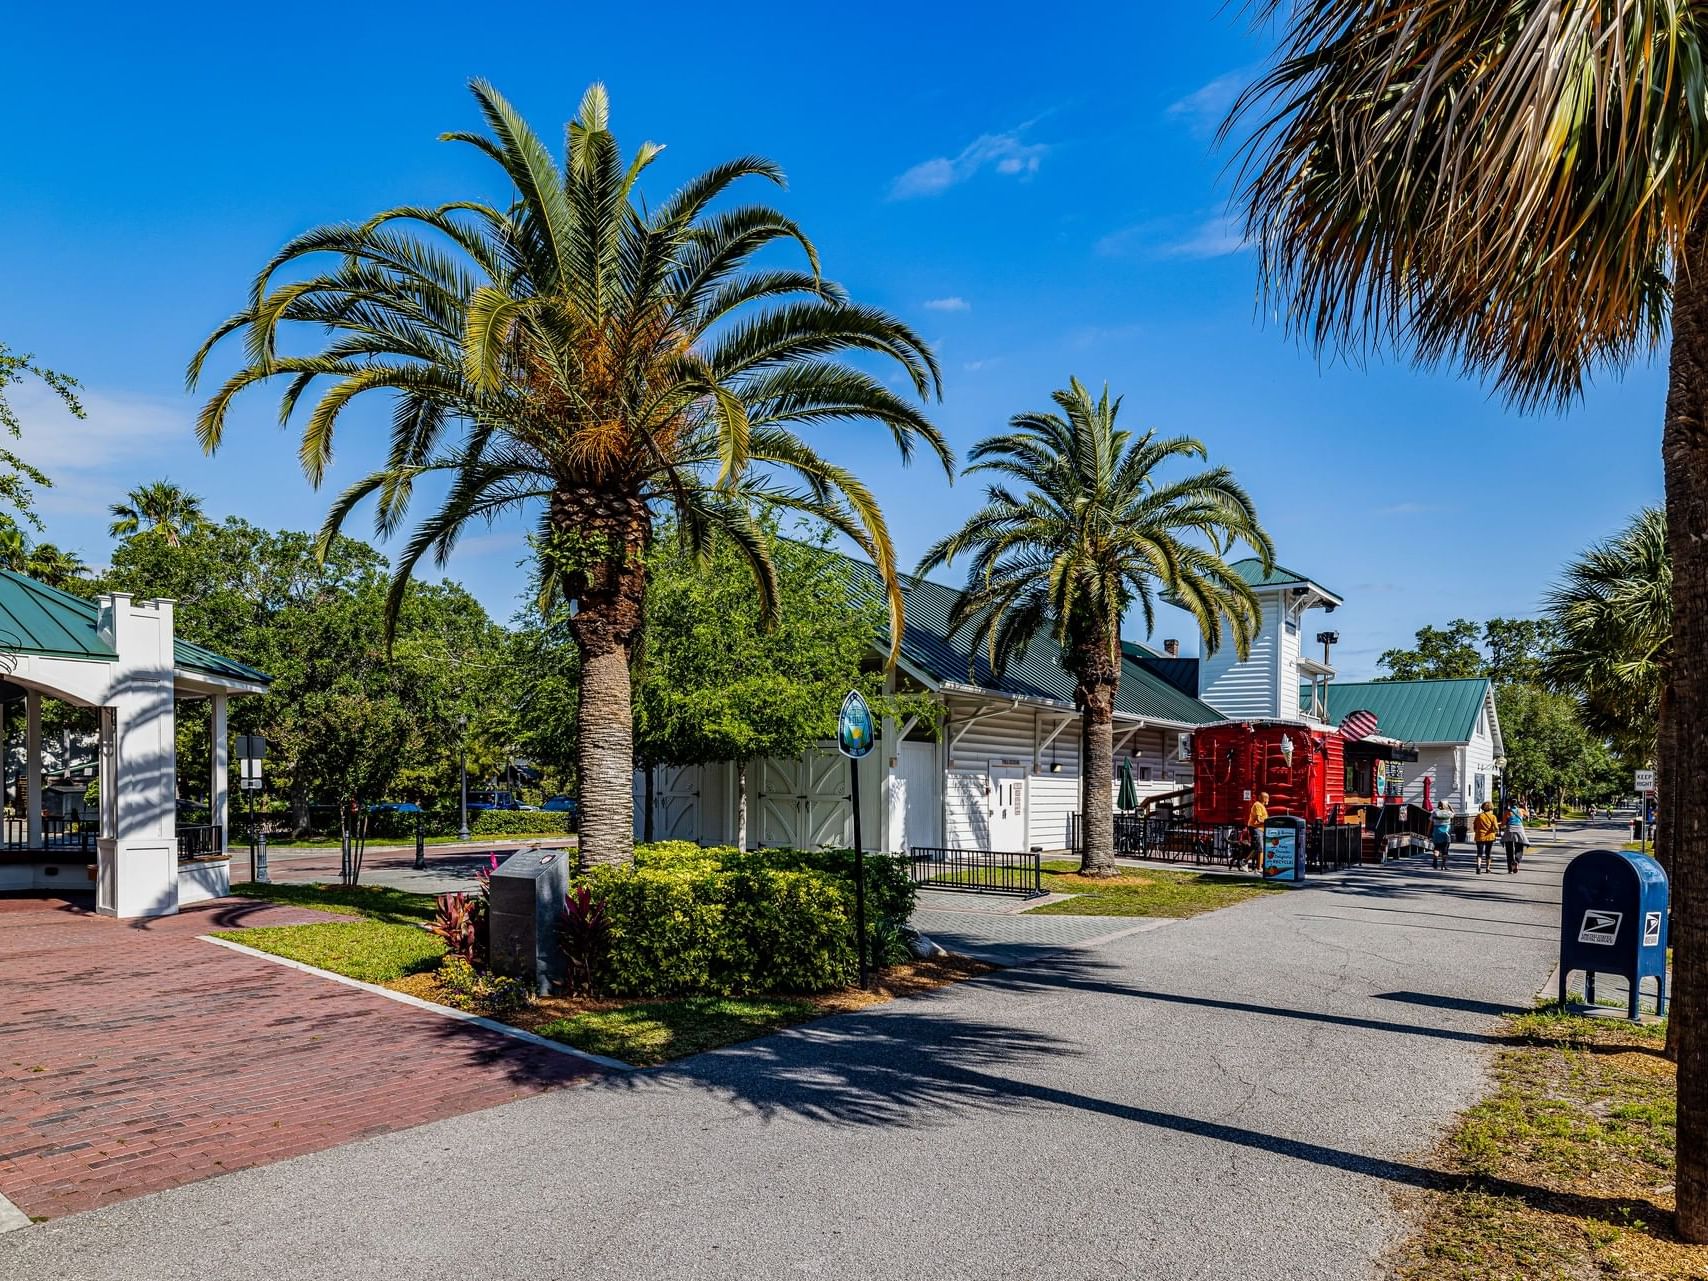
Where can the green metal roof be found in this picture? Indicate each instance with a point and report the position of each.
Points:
(1251, 569)
(1036, 674)
(38, 619)
(1436, 711)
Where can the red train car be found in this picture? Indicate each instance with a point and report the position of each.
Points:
(1302, 769)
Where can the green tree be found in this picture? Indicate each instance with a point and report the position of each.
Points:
(1612, 609)
(577, 353)
(1442, 653)
(1519, 189)
(1095, 531)
(721, 682)
(158, 507)
(1518, 648)
(16, 475)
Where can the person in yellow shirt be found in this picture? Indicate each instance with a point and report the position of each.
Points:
(1255, 818)
(1485, 830)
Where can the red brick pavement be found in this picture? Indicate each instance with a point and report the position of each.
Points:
(134, 1057)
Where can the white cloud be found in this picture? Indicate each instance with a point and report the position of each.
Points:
(1004, 152)
(973, 366)
(85, 457)
(1215, 238)
(954, 303)
(1204, 109)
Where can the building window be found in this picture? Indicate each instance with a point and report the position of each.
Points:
(1144, 773)
(1360, 777)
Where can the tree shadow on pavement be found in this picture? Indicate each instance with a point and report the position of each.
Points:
(911, 1065)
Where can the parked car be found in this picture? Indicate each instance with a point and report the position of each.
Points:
(560, 805)
(394, 807)
(493, 801)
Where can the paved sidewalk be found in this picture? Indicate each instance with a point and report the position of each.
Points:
(135, 1057)
(449, 867)
(1237, 1096)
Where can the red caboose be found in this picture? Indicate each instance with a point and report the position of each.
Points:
(1302, 769)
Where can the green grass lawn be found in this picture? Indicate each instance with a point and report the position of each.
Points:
(1145, 892)
(655, 1031)
(1566, 1168)
(376, 902)
(383, 943)
(372, 951)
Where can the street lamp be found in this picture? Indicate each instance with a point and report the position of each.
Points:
(1499, 763)
(463, 771)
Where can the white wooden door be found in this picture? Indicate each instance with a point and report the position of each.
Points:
(676, 803)
(803, 802)
(922, 797)
(1007, 803)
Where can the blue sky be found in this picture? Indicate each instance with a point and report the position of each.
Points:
(1041, 198)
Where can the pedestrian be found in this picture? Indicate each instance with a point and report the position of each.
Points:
(1441, 831)
(1516, 838)
(1486, 831)
(1255, 818)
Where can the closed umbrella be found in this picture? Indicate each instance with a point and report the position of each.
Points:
(1129, 798)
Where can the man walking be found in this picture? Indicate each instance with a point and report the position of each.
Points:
(1255, 818)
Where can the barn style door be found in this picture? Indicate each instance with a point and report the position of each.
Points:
(803, 802)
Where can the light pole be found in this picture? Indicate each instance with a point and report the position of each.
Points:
(463, 771)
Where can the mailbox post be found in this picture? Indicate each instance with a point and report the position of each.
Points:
(1613, 920)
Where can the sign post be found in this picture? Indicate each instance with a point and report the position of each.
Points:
(251, 751)
(854, 738)
(1645, 781)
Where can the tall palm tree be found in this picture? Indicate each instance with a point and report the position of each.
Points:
(577, 354)
(160, 506)
(1518, 187)
(1613, 612)
(54, 566)
(1095, 531)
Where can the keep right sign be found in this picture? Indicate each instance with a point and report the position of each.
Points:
(1645, 780)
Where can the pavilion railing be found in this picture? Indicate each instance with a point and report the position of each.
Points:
(977, 871)
(201, 840)
(67, 834)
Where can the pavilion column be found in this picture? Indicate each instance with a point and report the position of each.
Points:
(219, 797)
(33, 767)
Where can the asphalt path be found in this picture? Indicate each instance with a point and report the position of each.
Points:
(1241, 1095)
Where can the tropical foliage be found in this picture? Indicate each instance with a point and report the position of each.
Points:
(159, 507)
(1518, 189)
(588, 358)
(1080, 528)
(17, 477)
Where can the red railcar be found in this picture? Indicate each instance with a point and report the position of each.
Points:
(1302, 769)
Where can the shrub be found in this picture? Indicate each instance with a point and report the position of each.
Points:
(470, 989)
(586, 938)
(518, 823)
(461, 922)
(690, 920)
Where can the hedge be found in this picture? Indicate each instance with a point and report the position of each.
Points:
(687, 920)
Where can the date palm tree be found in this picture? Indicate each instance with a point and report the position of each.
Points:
(578, 355)
(1613, 612)
(1078, 530)
(160, 506)
(1517, 187)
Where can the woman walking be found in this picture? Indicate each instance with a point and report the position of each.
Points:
(1485, 831)
(1441, 831)
(1516, 839)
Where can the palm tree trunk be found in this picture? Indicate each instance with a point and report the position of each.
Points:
(1685, 451)
(602, 569)
(1097, 798)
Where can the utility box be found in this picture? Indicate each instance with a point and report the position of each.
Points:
(1284, 849)
(1613, 920)
(525, 905)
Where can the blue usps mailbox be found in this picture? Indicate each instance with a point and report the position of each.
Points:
(1284, 849)
(1613, 920)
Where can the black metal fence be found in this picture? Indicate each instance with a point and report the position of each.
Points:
(977, 871)
(199, 841)
(1177, 837)
(62, 834)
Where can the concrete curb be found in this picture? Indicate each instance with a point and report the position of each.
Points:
(11, 1217)
(444, 1011)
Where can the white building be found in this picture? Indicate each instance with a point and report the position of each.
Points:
(121, 657)
(1002, 771)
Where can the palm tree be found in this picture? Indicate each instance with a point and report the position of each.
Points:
(576, 354)
(1613, 612)
(1096, 531)
(1518, 188)
(161, 507)
(54, 566)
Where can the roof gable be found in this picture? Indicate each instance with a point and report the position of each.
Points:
(1428, 711)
